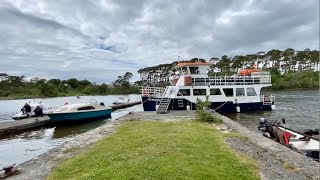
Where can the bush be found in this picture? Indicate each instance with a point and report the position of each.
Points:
(203, 115)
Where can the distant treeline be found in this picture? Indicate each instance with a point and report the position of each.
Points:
(290, 68)
(19, 87)
(293, 80)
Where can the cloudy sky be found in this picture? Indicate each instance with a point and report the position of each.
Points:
(102, 39)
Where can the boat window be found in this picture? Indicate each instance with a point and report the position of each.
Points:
(184, 70)
(194, 70)
(200, 81)
(85, 108)
(184, 92)
(228, 92)
(199, 92)
(251, 92)
(240, 92)
(215, 92)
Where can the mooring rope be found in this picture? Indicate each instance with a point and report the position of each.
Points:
(219, 106)
(137, 106)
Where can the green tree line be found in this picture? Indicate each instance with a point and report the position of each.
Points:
(19, 87)
(289, 68)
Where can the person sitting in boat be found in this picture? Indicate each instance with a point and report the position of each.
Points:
(38, 111)
(26, 109)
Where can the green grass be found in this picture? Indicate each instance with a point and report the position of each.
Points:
(159, 150)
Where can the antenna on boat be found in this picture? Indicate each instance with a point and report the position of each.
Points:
(179, 52)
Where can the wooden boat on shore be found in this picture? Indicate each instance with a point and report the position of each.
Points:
(305, 142)
(80, 111)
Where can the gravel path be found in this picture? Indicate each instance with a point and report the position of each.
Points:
(275, 160)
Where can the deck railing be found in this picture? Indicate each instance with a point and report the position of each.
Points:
(257, 78)
(152, 91)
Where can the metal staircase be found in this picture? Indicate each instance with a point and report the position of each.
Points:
(164, 102)
(163, 106)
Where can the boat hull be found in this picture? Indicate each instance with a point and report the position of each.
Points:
(221, 107)
(80, 116)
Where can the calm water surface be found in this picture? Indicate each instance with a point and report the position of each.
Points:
(301, 108)
(24, 146)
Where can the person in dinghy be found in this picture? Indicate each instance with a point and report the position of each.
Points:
(26, 109)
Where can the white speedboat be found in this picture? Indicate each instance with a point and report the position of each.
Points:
(306, 142)
(121, 100)
(80, 111)
(22, 115)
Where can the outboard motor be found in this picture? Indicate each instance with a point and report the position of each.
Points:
(263, 126)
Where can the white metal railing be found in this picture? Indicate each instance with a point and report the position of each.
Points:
(233, 80)
(267, 99)
(152, 91)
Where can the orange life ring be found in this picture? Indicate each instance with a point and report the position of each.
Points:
(146, 92)
(187, 80)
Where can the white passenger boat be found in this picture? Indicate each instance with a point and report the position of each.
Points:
(236, 93)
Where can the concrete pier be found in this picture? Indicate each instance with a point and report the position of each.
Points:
(124, 105)
(13, 126)
(23, 124)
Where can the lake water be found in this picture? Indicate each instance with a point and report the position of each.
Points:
(24, 146)
(301, 108)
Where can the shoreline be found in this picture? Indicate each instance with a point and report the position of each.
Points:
(271, 156)
(45, 97)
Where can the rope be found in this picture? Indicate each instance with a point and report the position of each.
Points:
(141, 103)
(218, 107)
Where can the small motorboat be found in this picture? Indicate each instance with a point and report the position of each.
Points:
(120, 101)
(80, 111)
(305, 142)
(23, 115)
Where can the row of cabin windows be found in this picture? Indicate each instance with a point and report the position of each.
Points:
(215, 91)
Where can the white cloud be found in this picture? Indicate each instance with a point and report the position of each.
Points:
(100, 40)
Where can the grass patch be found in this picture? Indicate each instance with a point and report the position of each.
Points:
(289, 167)
(158, 150)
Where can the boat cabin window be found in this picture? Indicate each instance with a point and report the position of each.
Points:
(251, 92)
(194, 70)
(85, 108)
(228, 92)
(184, 92)
(215, 92)
(240, 92)
(184, 70)
(200, 81)
(199, 92)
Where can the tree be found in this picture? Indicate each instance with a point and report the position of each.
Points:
(3, 76)
(73, 83)
(288, 55)
(128, 76)
(275, 56)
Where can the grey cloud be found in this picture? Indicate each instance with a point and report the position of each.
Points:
(100, 40)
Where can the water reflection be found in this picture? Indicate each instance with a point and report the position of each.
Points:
(66, 130)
